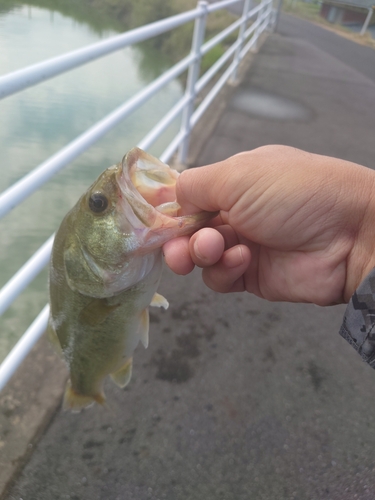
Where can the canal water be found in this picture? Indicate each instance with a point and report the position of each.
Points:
(36, 123)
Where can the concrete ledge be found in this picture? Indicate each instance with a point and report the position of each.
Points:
(27, 406)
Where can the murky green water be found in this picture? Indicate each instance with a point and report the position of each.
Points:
(36, 123)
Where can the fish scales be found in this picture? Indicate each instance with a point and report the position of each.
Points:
(105, 269)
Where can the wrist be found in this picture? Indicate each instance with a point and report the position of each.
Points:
(361, 259)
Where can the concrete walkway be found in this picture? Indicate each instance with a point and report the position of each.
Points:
(237, 398)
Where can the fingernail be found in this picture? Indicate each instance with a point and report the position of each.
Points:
(234, 257)
(197, 250)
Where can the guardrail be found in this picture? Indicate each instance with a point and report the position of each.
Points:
(262, 16)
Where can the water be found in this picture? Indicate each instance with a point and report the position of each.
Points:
(35, 123)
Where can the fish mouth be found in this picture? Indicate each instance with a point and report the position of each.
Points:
(155, 181)
(148, 202)
(147, 185)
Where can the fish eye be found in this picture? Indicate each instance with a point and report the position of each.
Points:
(98, 202)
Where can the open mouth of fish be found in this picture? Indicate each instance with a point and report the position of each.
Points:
(148, 189)
(146, 179)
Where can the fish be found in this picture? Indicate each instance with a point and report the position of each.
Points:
(105, 269)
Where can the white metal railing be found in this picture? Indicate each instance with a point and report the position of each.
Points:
(262, 16)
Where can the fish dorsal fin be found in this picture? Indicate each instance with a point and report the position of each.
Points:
(159, 301)
(144, 327)
(96, 312)
(124, 374)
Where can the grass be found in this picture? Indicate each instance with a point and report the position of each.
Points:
(307, 10)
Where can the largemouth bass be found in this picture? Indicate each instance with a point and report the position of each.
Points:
(105, 270)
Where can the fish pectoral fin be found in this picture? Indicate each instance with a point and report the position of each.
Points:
(96, 312)
(159, 301)
(124, 374)
(144, 327)
(53, 338)
(76, 402)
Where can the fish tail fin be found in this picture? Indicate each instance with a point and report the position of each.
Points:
(76, 402)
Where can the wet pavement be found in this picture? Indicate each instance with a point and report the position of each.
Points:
(237, 398)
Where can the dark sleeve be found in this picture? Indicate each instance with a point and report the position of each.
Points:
(358, 326)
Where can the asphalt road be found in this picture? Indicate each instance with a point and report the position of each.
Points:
(356, 56)
(237, 398)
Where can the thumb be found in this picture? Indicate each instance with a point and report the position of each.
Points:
(205, 188)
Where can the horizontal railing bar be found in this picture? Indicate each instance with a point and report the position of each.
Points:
(211, 95)
(252, 28)
(19, 352)
(31, 75)
(210, 44)
(266, 16)
(171, 149)
(202, 82)
(263, 21)
(219, 37)
(221, 5)
(252, 40)
(254, 11)
(31, 182)
(247, 47)
(151, 137)
(25, 275)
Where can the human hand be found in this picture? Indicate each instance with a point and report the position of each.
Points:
(293, 226)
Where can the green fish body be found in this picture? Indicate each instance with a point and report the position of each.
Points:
(105, 269)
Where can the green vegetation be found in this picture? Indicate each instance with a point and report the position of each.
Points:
(307, 10)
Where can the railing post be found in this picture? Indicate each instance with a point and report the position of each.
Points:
(193, 74)
(259, 27)
(367, 21)
(270, 16)
(240, 39)
(277, 15)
